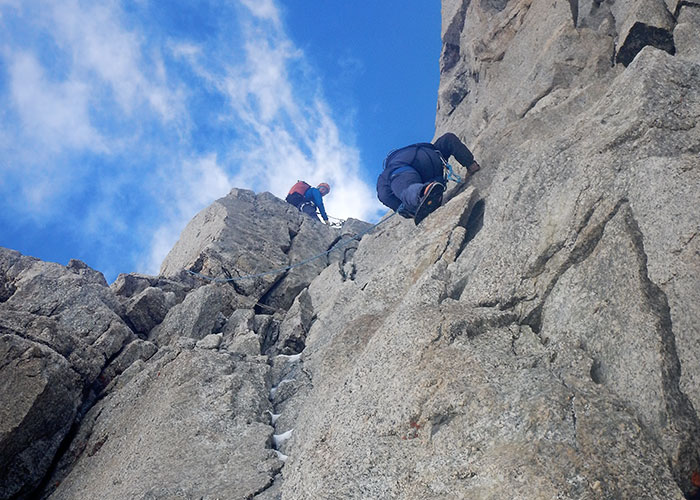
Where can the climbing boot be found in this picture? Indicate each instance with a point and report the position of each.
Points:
(431, 200)
(473, 168)
(404, 212)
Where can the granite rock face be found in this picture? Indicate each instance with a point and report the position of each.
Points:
(190, 423)
(685, 34)
(107, 390)
(536, 337)
(414, 390)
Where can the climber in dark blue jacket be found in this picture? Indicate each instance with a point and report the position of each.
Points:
(416, 171)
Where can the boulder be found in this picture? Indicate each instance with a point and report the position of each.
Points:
(685, 34)
(204, 311)
(59, 329)
(211, 341)
(189, 423)
(295, 326)
(132, 352)
(126, 286)
(148, 309)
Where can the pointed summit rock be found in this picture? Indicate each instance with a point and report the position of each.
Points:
(244, 234)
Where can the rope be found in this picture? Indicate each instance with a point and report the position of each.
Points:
(451, 176)
(292, 266)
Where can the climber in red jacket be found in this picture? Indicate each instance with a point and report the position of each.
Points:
(308, 199)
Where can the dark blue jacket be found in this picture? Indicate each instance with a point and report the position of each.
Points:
(423, 157)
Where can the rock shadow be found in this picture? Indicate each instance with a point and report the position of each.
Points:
(474, 223)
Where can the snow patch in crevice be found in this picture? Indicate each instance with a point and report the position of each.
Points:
(281, 456)
(293, 358)
(278, 439)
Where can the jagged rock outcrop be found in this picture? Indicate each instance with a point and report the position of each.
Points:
(247, 234)
(186, 424)
(536, 337)
(59, 328)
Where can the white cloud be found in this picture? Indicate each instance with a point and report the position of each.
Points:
(286, 132)
(290, 130)
(86, 89)
(78, 83)
(263, 9)
(192, 187)
(186, 50)
(38, 192)
(101, 46)
(56, 114)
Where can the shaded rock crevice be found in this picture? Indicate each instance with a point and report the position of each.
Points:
(451, 51)
(474, 224)
(546, 92)
(263, 302)
(459, 90)
(641, 35)
(683, 451)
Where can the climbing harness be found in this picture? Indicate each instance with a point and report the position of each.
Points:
(292, 266)
(309, 204)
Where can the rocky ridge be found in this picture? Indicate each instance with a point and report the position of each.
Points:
(157, 386)
(536, 337)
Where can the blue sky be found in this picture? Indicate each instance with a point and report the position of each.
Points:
(121, 119)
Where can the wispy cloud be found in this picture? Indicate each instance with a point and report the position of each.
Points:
(55, 114)
(199, 182)
(76, 79)
(103, 49)
(155, 126)
(265, 10)
(290, 130)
